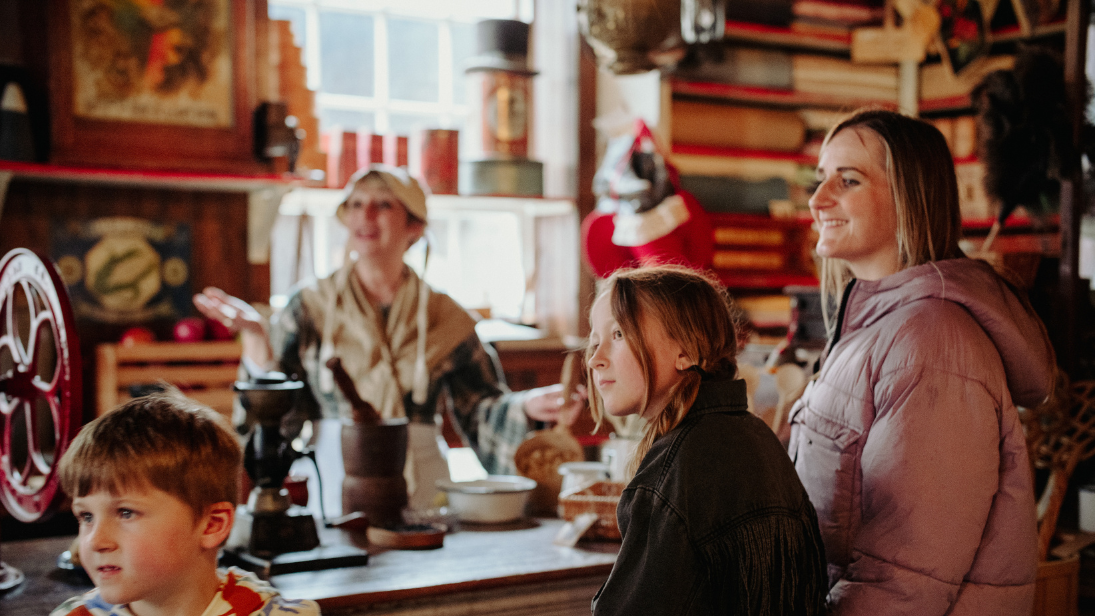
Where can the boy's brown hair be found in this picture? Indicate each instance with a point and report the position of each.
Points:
(163, 440)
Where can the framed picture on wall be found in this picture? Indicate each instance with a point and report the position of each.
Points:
(167, 84)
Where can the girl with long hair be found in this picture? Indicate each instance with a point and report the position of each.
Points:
(715, 521)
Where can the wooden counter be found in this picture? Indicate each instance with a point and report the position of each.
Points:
(496, 569)
(500, 570)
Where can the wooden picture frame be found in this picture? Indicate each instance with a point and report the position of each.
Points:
(163, 131)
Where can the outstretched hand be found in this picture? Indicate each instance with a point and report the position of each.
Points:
(239, 317)
(547, 404)
(232, 312)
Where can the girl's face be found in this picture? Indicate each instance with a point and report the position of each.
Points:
(378, 222)
(617, 373)
(853, 206)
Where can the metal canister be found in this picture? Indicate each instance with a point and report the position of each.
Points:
(434, 158)
(494, 161)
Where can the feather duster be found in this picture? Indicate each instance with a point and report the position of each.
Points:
(1024, 136)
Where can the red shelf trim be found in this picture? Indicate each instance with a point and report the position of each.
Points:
(743, 218)
(124, 175)
(1013, 223)
(739, 280)
(962, 101)
(754, 94)
(744, 28)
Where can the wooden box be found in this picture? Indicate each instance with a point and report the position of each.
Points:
(203, 371)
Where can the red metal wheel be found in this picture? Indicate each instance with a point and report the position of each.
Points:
(40, 383)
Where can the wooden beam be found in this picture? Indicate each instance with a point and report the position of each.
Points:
(1069, 291)
(587, 166)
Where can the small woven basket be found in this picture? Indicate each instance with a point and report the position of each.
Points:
(600, 498)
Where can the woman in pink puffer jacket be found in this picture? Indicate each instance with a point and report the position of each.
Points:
(908, 440)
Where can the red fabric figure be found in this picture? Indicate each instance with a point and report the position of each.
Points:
(643, 217)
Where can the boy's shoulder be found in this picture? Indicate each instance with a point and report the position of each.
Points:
(240, 594)
(90, 604)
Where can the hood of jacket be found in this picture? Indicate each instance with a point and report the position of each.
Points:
(1015, 330)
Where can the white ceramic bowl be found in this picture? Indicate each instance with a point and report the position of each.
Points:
(496, 499)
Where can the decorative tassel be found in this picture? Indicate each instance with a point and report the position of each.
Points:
(421, 378)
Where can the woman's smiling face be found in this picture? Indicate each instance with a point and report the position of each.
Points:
(853, 205)
(378, 222)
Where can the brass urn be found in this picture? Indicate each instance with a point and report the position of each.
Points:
(632, 36)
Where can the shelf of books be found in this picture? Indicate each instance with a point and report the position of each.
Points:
(798, 35)
(759, 252)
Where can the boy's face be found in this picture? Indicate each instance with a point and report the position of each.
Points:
(143, 547)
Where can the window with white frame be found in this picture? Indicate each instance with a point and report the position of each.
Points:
(390, 66)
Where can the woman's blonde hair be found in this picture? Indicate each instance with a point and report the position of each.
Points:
(696, 312)
(920, 171)
(163, 440)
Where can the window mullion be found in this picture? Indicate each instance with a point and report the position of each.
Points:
(382, 89)
(311, 48)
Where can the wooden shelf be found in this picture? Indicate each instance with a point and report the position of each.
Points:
(949, 103)
(706, 150)
(1014, 224)
(751, 95)
(1015, 33)
(743, 32)
(214, 182)
(736, 280)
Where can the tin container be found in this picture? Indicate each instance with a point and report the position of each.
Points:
(435, 159)
(501, 127)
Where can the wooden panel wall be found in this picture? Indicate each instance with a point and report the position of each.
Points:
(218, 256)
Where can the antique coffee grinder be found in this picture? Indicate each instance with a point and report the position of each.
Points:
(272, 535)
(276, 525)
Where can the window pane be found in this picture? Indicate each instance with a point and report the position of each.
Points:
(295, 17)
(412, 53)
(349, 119)
(404, 123)
(346, 53)
(463, 48)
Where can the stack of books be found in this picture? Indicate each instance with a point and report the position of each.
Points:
(828, 18)
(843, 79)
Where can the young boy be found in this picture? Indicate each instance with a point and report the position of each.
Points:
(154, 485)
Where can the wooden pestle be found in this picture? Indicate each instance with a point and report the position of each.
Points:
(573, 374)
(363, 412)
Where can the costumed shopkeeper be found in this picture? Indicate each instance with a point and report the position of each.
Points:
(410, 350)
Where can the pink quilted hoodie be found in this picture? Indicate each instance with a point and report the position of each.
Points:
(910, 447)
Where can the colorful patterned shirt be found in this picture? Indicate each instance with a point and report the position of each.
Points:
(240, 594)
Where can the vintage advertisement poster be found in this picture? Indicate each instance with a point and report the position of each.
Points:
(124, 270)
(152, 61)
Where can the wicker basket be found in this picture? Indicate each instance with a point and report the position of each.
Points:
(600, 498)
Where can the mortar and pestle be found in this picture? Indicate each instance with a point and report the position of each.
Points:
(374, 452)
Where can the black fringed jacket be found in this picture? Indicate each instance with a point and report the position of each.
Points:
(716, 522)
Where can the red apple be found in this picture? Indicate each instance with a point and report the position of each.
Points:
(215, 330)
(189, 329)
(136, 335)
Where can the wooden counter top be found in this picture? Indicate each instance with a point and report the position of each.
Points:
(511, 557)
(510, 569)
(513, 569)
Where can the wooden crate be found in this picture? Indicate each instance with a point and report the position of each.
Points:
(204, 371)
